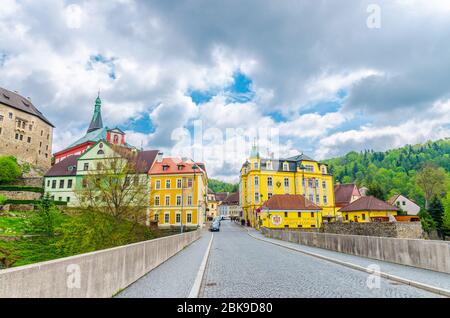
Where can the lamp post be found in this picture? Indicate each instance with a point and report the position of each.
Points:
(195, 167)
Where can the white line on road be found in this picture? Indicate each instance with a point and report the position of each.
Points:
(201, 271)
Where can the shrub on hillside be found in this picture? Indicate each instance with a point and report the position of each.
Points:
(9, 169)
(2, 199)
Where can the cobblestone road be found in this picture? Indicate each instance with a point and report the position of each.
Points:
(241, 266)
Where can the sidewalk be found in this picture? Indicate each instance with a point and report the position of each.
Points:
(422, 276)
(173, 278)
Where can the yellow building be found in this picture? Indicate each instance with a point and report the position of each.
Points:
(178, 193)
(368, 209)
(290, 211)
(260, 179)
(213, 205)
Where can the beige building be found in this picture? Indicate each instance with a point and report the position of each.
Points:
(25, 133)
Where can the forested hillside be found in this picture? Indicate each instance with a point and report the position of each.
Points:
(220, 186)
(394, 171)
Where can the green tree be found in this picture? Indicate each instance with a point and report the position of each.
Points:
(46, 219)
(9, 169)
(432, 181)
(2, 199)
(374, 189)
(436, 210)
(446, 217)
(428, 224)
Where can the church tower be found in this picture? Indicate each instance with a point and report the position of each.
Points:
(96, 122)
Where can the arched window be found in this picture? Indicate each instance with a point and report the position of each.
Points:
(100, 152)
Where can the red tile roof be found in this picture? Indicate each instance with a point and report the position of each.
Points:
(172, 167)
(289, 202)
(232, 199)
(61, 168)
(343, 193)
(369, 203)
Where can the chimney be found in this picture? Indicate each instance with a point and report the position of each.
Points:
(159, 157)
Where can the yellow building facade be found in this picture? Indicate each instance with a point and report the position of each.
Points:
(261, 178)
(178, 193)
(368, 209)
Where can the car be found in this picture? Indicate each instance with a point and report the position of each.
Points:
(215, 227)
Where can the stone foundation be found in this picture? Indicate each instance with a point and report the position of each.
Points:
(411, 230)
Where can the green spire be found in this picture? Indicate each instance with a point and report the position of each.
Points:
(96, 122)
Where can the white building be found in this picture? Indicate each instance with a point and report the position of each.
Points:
(405, 204)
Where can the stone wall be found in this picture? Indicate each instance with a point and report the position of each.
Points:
(427, 254)
(21, 195)
(411, 230)
(30, 182)
(97, 274)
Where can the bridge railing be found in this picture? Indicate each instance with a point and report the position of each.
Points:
(97, 274)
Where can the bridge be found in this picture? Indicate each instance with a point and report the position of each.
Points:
(235, 262)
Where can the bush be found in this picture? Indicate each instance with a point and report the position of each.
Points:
(428, 223)
(2, 199)
(26, 167)
(46, 219)
(9, 169)
(21, 188)
(35, 202)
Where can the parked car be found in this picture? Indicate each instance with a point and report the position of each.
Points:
(215, 226)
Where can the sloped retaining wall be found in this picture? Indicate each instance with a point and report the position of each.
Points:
(427, 254)
(97, 274)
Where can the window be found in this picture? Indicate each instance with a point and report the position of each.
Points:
(285, 166)
(166, 218)
(269, 195)
(17, 136)
(53, 198)
(325, 199)
(69, 183)
(309, 168)
(285, 214)
(324, 184)
(30, 127)
(256, 197)
(256, 181)
(311, 198)
(403, 203)
(324, 170)
(178, 200)
(0, 130)
(86, 167)
(165, 168)
(157, 200)
(167, 203)
(269, 165)
(157, 217)
(1, 118)
(68, 199)
(158, 184)
(317, 198)
(346, 217)
(189, 200)
(299, 214)
(269, 182)
(10, 115)
(29, 139)
(167, 184)
(178, 218)
(48, 183)
(42, 132)
(100, 152)
(190, 183)
(317, 183)
(179, 183)
(21, 137)
(180, 167)
(363, 216)
(286, 182)
(255, 165)
(54, 184)
(189, 218)
(61, 184)
(312, 214)
(59, 198)
(310, 183)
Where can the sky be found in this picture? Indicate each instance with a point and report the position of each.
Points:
(207, 79)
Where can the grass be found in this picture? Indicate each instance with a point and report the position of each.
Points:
(12, 226)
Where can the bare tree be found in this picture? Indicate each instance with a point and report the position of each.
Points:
(118, 186)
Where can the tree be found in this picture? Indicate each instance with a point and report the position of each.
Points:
(374, 189)
(9, 169)
(446, 217)
(118, 187)
(46, 219)
(436, 210)
(432, 181)
(2, 199)
(428, 224)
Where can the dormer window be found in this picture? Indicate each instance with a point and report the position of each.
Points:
(165, 167)
(255, 165)
(100, 152)
(285, 166)
(180, 167)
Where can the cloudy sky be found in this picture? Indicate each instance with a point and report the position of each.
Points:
(325, 76)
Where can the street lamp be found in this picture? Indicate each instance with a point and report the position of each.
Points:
(195, 167)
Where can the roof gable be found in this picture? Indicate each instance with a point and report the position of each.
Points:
(368, 203)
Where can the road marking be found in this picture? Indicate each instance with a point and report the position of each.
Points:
(437, 290)
(195, 290)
